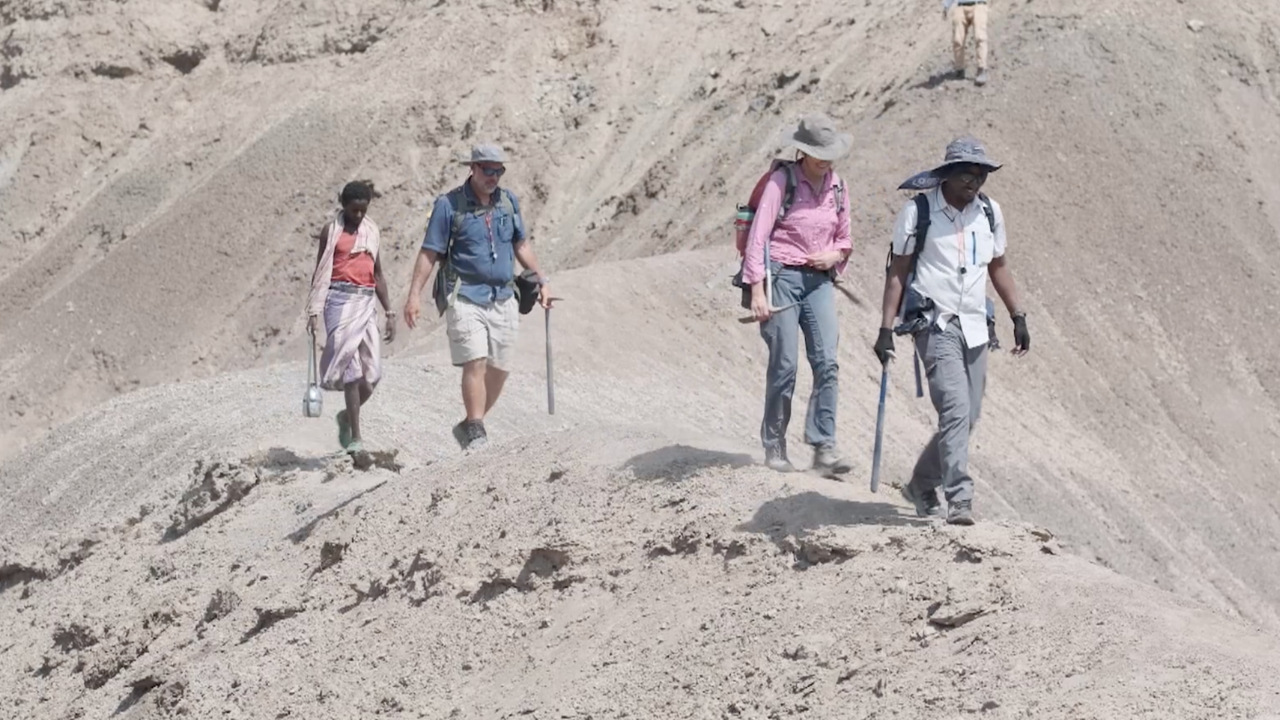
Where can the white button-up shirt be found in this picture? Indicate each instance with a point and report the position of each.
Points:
(952, 268)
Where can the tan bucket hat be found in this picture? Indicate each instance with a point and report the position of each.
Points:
(816, 135)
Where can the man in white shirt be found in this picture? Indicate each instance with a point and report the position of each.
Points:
(945, 312)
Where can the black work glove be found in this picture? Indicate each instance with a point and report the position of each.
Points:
(884, 346)
(1021, 338)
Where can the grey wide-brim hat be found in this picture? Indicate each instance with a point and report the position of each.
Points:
(816, 136)
(965, 150)
(486, 152)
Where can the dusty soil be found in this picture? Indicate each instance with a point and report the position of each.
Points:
(168, 510)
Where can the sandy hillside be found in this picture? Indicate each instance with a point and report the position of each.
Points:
(627, 556)
(161, 164)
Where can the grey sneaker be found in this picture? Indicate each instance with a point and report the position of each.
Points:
(926, 503)
(470, 433)
(827, 461)
(960, 512)
(776, 459)
(982, 77)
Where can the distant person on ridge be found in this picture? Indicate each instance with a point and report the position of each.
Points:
(347, 277)
(808, 246)
(966, 14)
(945, 312)
(477, 230)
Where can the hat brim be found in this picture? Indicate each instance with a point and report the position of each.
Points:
(469, 161)
(844, 143)
(986, 162)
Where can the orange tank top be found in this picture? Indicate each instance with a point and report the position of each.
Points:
(356, 269)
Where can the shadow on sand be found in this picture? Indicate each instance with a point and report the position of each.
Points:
(303, 533)
(798, 516)
(677, 463)
(935, 81)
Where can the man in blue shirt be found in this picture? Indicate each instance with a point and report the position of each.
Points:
(476, 233)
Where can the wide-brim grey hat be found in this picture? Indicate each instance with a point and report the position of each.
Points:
(816, 135)
(965, 150)
(486, 153)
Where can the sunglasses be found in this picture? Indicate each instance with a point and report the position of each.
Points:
(971, 178)
(493, 172)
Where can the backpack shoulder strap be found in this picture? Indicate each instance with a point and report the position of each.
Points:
(789, 190)
(458, 202)
(507, 200)
(991, 214)
(922, 226)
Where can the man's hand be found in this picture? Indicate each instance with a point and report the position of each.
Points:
(391, 327)
(412, 306)
(825, 260)
(544, 296)
(884, 346)
(1021, 337)
(313, 324)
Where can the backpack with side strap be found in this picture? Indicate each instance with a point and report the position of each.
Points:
(462, 207)
(910, 298)
(747, 213)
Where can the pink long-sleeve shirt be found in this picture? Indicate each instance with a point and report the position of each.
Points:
(811, 225)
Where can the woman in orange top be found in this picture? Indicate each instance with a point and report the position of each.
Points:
(347, 277)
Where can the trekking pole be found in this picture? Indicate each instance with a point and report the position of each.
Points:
(919, 385)
(875, 455)
(551, 383)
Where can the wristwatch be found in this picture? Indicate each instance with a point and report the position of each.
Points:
(1018, 314)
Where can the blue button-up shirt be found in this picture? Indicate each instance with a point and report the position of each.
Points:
(483, 253)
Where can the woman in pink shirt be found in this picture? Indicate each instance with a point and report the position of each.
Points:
(803, 250)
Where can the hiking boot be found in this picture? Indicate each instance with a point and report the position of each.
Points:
(925, 501)
(827, 461)
(982, 77)
(470, 433)
(960, 512)
(957, 74)
(776, 459)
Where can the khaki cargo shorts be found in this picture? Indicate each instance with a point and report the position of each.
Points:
(480, 331)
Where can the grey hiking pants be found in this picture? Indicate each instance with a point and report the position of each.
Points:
(814, 318)
(957, 380)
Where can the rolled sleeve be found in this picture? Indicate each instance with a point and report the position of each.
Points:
(904, 230)
(436, 238)
(762, 227)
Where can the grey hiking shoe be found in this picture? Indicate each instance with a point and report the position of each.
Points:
(960, 512)
(470, 433)
(829, 462)
(776, 459)
(982, 77)
(925, 502)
